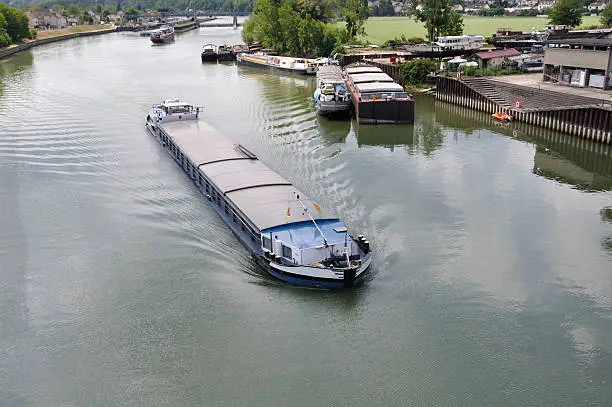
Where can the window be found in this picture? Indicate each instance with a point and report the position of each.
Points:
(267, 243)
(287, 252)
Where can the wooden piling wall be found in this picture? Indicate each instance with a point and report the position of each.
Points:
(590, 122)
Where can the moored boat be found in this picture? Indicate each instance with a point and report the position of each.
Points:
(376, 97)
(287, 64)
(331, 96)
(209, 53)
(163, 35)
(502, 117)
(224, 53)
(289, 235)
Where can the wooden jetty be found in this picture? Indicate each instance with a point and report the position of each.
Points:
(580, 116)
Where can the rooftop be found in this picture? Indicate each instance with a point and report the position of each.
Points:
(498, 53)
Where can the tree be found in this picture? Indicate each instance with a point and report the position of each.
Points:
(16, 23)
(385, 8)
(131, 14)
(566, 12)
(118, 8)
(73, 10)
(99, 9)
(454, 24)
(438, 17)
(355, 13)
(606, 16)
(415, 72)
(5, 40)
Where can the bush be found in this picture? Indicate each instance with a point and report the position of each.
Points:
(403, 40)
(5, 40)
(415, 72)
(33, 34)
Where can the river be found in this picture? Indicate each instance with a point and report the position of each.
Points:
(119, 286)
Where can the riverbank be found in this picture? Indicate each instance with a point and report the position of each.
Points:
(46, 37)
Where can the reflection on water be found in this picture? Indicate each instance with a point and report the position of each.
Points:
(584, 164)
(13, 65)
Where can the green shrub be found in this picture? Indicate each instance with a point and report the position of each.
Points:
(33, 34)
(5, 40)
(415, 72)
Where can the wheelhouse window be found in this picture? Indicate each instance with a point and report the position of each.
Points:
(267, 243)
(287, 252)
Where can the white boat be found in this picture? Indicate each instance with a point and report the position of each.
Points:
(288, 64)
(163, 35)
(288, 234)
(209, 53)
(461, 42)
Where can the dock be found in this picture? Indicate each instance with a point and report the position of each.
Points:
(581, 116)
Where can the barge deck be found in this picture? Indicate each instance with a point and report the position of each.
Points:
(264, 210)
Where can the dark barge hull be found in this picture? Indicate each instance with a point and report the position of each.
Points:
(162, 41)
(272, 67)
(209, 57)
(384, 111)
(252, 245)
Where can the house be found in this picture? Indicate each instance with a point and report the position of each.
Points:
(580, 61)
(117, 18)
(94, 17)
(458, 8)
(495, 58)
(597, 7)
(45, 20)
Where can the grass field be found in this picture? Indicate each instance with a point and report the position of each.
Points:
(381, 29)
(81, 28)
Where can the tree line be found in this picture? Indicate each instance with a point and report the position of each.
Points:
(305, 27)
(13, 25)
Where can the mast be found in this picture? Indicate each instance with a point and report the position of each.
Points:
(312, 219)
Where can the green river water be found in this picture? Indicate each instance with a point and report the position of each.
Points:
(119, 286)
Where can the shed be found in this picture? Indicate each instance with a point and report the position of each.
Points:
(495, 58)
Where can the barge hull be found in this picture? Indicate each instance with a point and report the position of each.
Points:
(385, 112)
(273, 68)
(351, 277)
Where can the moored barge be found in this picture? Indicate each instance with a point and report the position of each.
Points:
(331, 96)
(287, 64)
(289, 235)
(376, 97)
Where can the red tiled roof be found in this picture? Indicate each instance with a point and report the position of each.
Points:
(498, 53)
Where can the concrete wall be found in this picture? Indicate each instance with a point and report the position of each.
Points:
(5, 52)
(577, 58)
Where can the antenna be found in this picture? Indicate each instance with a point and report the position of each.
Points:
(311, 218)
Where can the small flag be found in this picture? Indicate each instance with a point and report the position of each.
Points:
(288, 213)
(318, 208)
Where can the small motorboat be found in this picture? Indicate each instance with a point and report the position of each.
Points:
(502, 117)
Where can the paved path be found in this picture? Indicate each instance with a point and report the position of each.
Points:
(535, 81)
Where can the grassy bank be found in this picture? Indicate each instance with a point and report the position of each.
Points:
(380, 29)
(71, 30)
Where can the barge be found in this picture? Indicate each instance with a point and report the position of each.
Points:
(331, 96)
(287, 64)
(162, 35)
(288, 234)
(376, 97)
